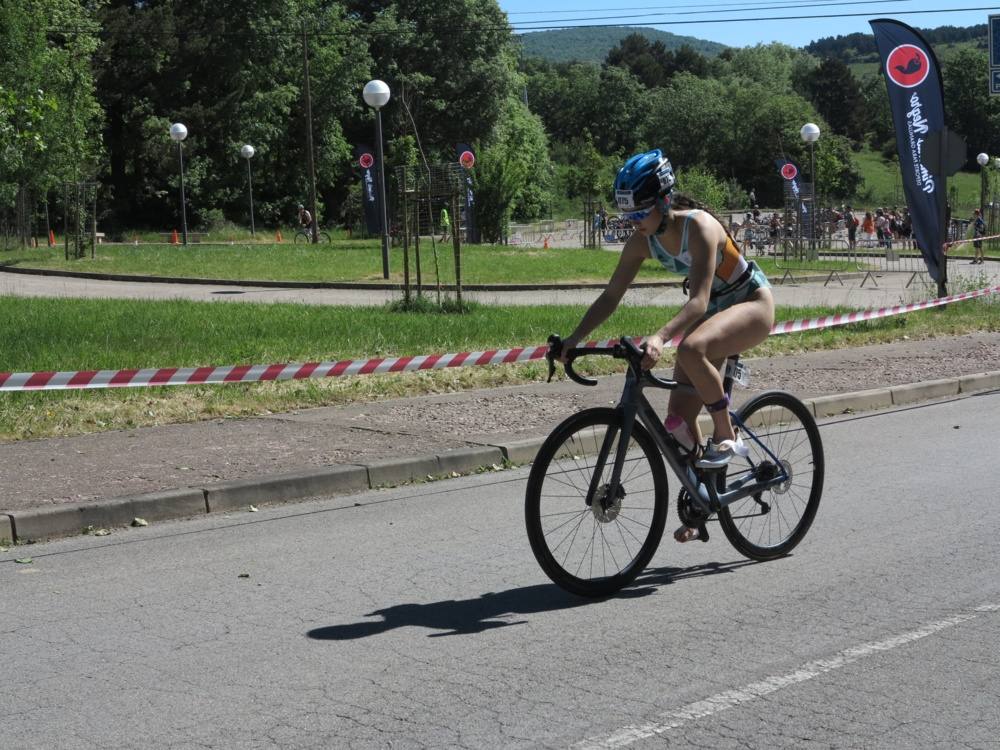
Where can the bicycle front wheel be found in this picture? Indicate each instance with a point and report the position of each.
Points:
(595, 548)
(301, 237)
(780, 430)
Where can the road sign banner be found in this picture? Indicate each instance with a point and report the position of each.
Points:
(994, 27)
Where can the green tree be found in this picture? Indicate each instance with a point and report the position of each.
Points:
(704, 187)
(513, 174)
(232, 72)
(647, 61)
(771, 65)
(969, 108)
(610, 101)
(835, 93)
(49, 118)
(454, 60)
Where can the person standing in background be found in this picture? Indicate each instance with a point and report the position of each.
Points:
(445, 224)
(978, 231)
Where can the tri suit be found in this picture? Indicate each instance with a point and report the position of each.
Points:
(735, 279)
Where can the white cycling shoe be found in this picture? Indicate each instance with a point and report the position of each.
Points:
(718, 455)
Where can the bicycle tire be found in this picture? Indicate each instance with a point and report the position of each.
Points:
(556, 511)
(305, 237)
(783, 424)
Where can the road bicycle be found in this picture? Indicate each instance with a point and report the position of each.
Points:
(597, 496)
(305, 236)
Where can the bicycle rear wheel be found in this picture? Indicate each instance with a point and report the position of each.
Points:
(771, 523)
(595, 549)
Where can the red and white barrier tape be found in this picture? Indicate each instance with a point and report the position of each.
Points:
(81, 379)
(955, 243)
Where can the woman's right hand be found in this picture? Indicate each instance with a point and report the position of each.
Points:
(567, 344)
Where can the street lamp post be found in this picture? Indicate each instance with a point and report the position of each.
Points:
(376, 95)
(247, 153)
(178, 132)
(810, 134)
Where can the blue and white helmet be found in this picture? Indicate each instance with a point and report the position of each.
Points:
(643, 179)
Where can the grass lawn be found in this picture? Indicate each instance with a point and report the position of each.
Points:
(883, 184)
(68, 334)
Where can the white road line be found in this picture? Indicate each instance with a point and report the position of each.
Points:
(731, 698)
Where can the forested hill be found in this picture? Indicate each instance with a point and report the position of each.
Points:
(854, 48)
(591, 44)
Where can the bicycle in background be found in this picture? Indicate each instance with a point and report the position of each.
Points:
(305, 236)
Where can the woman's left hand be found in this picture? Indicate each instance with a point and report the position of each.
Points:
(654, 349)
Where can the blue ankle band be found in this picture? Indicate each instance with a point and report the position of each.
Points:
(722, 403)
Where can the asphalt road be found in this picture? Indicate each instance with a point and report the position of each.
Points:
(888, 289)
(417, 617)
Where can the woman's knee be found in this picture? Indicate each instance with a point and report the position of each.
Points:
(692, 348)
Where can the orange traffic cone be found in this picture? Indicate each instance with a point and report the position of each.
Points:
(52, 238)
(545, 244)
(277, 236)
(173, 238)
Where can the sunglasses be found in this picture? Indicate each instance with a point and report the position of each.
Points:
(638, 216)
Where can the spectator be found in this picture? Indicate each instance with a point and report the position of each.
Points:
(868, 229)
(851, 223)
(978, 230)
(753, 198)
(445, 224)
(774, 229)
(906, 228)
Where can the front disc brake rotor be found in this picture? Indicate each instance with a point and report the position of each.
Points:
(605, 511)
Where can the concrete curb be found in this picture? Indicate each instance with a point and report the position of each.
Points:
(6, 530)
(240, 493)
(39, 524)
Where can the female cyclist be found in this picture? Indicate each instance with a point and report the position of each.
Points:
(729, 308)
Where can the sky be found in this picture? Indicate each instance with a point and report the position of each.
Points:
(713, 19)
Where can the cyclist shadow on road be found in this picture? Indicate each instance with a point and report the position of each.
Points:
(501, 609)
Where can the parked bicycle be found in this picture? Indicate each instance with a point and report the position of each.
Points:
(305, 236)
(597, 496)
(619, 229)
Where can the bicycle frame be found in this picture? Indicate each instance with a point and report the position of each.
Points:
(633, 405)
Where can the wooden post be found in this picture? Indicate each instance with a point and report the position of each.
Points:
(93, 223)
(416, 254)
(66, 219)
(406, 241)
(457, 245)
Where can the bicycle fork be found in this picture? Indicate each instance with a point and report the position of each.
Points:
(613, 490)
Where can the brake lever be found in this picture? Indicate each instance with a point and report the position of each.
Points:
(555, 345)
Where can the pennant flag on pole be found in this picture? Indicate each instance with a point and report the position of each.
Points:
(916, 98)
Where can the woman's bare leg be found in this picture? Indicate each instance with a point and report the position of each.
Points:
(726, 333)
